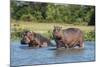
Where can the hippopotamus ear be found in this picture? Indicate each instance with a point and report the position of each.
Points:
(31, 33)
(34, 34)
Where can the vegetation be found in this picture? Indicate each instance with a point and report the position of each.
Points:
(41, 17)
(46, 29)
(52, 12)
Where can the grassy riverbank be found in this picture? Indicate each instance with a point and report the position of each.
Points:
(46, 29)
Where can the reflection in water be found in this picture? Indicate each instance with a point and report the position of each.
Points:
(68, 52)
(23, 47)
(26, 47)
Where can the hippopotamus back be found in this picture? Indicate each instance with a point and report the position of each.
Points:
(42, 39)
(72, 37)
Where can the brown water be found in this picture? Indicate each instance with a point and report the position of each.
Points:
(23, 55)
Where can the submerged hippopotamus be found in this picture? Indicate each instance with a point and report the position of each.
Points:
(68, 38)
(34, 39)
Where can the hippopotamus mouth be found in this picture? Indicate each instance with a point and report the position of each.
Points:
(58, 38)
(23, 42)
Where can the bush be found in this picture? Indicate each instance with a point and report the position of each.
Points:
(90, 36)
(28, 17)
(15, 35)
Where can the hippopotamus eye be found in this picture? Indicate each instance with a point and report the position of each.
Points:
(58, 30)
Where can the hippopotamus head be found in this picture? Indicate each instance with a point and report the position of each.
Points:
(57, 32)
(27, 36)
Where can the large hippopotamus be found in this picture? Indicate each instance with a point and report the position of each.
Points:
(34, 39)
(68, 38)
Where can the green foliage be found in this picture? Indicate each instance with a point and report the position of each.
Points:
(17, 27)
(90, 36)
(27, 17)
(16, 35)
(49, 34)
(92, 19)
(36, 11)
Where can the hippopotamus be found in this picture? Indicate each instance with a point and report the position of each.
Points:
(68, 38)
(34, 39)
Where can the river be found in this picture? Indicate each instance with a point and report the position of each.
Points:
(23, 55)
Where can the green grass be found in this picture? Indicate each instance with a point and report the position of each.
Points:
(46, 28)
(43, 27)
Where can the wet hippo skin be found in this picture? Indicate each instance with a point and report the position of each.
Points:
(68, 38)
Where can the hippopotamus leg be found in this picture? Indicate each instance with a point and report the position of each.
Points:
(81, 45)
(58, 44)
(71, 46)
(31, 45)
(65, 46)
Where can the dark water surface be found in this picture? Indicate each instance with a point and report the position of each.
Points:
(23, 55)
